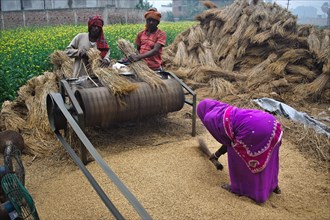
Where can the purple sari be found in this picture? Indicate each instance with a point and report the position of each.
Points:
(253, 138)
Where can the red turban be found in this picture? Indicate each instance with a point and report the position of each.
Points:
(95, 20)
(101, 43)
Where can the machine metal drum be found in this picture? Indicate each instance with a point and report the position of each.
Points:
(101, 108)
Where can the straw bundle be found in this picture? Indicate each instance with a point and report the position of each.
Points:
(257, 51)
(233, 16)
(208, 56)
(36, 101)
(221, 88)
(317, 86)
(314, 42)
(229, 62)
(233, 41)
(279, 83)
(62, 63)
(28, 114)
(291, 56)
(261, 37)
(210, 29)
(209, 4)
(300, 70)
(220, 50)
(206, 73)
(181, 55)
(246, 63)
(196, 36)
(208, 15)
(304, 30)
(296, 79)
(326, 67)
(109, 77)
(250, 31)
(10, 117)
(140, 68)
(289, 25)
(193, 58)
(258, 69)
(325, 45)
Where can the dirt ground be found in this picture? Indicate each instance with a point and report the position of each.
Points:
(159, 161)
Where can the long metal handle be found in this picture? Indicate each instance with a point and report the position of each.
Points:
(124, 190)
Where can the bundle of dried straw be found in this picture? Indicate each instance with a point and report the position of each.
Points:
(109, 77)
(140, 68)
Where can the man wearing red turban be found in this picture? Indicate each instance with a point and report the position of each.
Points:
(82, 42)
(150, 41)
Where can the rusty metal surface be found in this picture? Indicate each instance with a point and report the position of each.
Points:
(101, 108)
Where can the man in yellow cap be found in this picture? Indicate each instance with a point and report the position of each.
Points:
(150, 41)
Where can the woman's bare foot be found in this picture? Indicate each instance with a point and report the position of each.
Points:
(277, 190)
(226, 186)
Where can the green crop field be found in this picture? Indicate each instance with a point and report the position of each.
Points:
(24, 52)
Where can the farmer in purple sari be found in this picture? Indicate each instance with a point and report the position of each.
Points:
(252, 139)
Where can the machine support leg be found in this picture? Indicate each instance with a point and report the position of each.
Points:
(193, 133)
(83, 153)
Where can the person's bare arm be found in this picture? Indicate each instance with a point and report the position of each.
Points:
(137, 57)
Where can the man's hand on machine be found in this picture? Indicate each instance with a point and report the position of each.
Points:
(105, 63)
(134, 57)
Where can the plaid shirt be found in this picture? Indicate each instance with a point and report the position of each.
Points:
(147, 43)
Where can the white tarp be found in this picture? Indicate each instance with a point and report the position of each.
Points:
(282, 109)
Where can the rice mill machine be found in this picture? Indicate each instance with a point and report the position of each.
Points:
(83, 102)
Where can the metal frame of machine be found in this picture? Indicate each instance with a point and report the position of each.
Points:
(63, 108)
